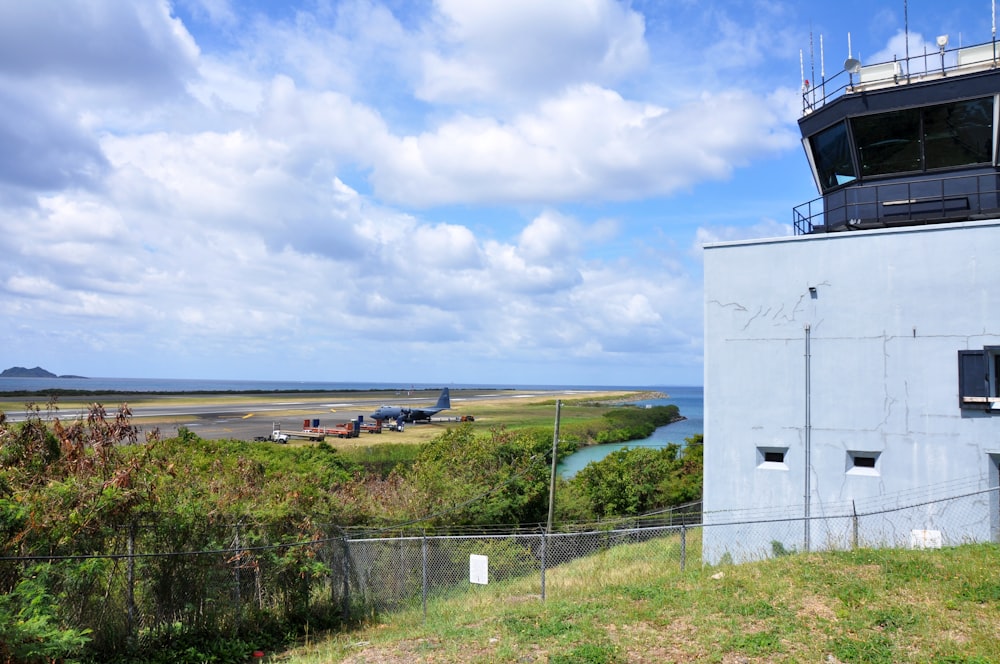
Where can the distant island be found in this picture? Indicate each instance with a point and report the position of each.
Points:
(37, 372)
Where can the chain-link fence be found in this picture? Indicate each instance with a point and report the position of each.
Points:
(899, 521)
(155, 578)
(388, 573)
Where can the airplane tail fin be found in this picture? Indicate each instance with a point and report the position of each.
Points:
(444, 401)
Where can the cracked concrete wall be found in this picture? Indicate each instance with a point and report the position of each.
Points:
(887, 312)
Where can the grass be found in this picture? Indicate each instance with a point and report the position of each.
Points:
(634, 604)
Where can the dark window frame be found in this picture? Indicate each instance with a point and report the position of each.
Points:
(833, 142)
(863, 460)
(931, 133)
(979, 378)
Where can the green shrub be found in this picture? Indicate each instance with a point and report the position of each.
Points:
(31, 629)
(629, 482)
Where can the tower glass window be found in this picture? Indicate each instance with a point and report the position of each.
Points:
(888, 142)
(958, 134)
(832, 152)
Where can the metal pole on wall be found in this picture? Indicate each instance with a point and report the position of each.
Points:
(552, 478)
(808, 435)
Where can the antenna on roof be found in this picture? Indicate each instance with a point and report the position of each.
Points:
(906, 39)
(812, 61)
(822, 68)
(805, 84)
(852, 66)
(822, 63)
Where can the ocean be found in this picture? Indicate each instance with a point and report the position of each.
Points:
(210, 385)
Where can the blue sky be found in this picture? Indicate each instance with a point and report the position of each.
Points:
(451, 191)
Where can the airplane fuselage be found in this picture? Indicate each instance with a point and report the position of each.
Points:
(407, 414)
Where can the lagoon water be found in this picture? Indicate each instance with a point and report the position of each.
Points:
(690, 402)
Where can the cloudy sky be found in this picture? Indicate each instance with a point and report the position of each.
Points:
(449, 191)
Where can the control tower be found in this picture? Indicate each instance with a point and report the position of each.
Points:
(852, 371)
(906, 142)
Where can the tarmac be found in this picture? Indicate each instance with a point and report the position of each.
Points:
(246, 416)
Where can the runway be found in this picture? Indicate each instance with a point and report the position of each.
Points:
(245, 417)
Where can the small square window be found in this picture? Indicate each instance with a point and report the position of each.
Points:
(772, 458)
(863, 463)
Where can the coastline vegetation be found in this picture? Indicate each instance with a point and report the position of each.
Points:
(68, 490)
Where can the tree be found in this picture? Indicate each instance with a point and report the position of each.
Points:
(629, 482)
(477, 480)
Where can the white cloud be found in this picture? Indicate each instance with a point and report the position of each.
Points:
(137, 47)
(344, 189)
(550, 236)
(586, 143)
(522, 48)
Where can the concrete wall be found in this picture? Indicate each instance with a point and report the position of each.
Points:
(889, 311)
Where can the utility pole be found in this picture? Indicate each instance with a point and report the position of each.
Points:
(552, 477)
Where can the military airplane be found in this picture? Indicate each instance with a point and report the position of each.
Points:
(408, 414)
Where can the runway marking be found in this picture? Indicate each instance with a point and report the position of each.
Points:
(247, 416)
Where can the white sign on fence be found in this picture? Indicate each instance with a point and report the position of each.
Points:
(925, 539)
(479, 569)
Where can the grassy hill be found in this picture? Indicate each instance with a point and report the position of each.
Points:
(633, 604)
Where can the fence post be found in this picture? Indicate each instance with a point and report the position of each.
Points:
(854, 528)
(331, 554)
(238, 558)
(423, 551)
(131, 580)
(346, 600)
(683, 546)
(544, 552)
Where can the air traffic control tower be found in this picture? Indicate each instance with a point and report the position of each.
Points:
(906, 142)
(852, 370)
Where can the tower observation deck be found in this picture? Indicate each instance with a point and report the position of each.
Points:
(906, 142)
